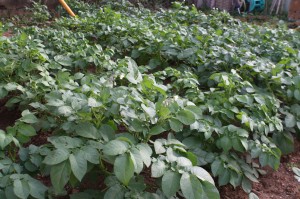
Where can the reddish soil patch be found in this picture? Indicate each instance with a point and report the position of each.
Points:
(40, 139)
(294, 10)
(7, 34)
(279, 184)
(150, 182)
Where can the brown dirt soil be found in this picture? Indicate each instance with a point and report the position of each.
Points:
(7, 117)
(7, 34)
(40, 139)
(279, 184)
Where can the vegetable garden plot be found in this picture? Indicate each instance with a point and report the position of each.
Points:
(112, 83)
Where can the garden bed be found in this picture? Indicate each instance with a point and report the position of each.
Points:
(140, 104)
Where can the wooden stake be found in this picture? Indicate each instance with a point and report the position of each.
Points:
(66, 7)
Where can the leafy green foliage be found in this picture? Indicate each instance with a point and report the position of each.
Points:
(110, 84)
(297, 173)
(40, 12)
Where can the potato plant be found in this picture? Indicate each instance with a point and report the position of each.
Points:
(192, 100)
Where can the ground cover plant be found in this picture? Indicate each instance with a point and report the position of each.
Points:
(189, 99)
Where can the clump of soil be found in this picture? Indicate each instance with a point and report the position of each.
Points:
(279, 184)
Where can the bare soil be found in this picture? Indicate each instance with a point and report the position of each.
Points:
(7, 117)
(279, 184)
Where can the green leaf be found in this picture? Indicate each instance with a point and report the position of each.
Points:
(37, 189)
(149, 110)
(5, 139)
(63, 60)
(57, 156)
(159, 146)
(251, 177)
(153, 63)
(235, 179)
(209, 191)
(127, 137)
(124, 168)
(184, 162)
(146, 153)
(297, 94)
(190, 186)
(87, 130)
(296, 171)
(237, 144)
(192, 157)
(2, 193)
(78, 165)
(216, 167)
(93, 102)
(26, 130)
(134, 76)
(9, 193)
(115, 192)
(172, 156)
(55, 102)
(253, 196)
(107, 132)
(65, 142)
(224, 177)
(175, 125)
(158, 169)
(274, 158)
(244, 99)
(263, 159)
(137, 160)
(290, 120)
(224, 143)
(137, 184)
(202, 174)
(3, 92)
(186, 53)
(186, 117)
(28, 117)
(170, 183)
(60, 175)
(156, 130)
(284, 141)
(21, 188)
(91, 154)
(11, 86)
(246, 185)
(115, 147)
(259, 99)
(65, 110)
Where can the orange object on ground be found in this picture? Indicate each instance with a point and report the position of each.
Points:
(66, 7)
